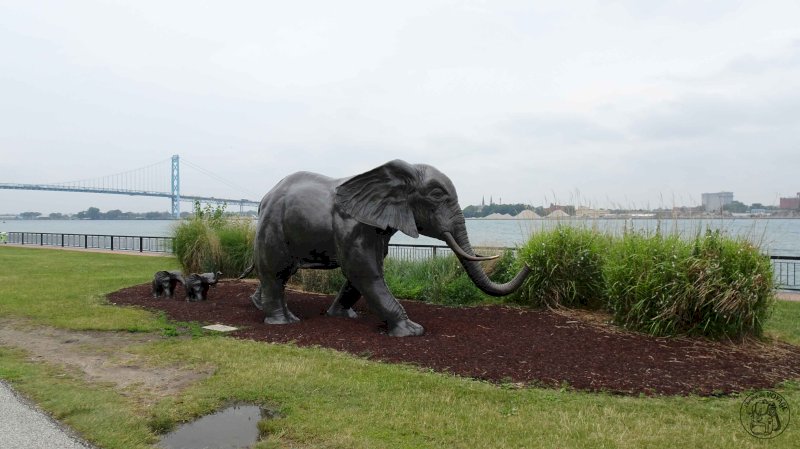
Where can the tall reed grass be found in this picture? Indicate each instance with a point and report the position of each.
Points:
(439, 280)
(712, 285)
(662, 284)
(327, 282)
(566, 268)
(210, 241)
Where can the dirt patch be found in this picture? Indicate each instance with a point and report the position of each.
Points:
(500, 344)
(789, 296)
(102, 358)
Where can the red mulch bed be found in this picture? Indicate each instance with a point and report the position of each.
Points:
(499, 344)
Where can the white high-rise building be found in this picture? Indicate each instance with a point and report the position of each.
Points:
(713, 202)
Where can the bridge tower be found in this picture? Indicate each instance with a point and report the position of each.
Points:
(176, 186)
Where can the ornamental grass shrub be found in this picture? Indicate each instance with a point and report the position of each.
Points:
(566, 268)
(327, 282)
(210, 241)
(438, 280)
(664, 285)
(713, 285)
(442, 280)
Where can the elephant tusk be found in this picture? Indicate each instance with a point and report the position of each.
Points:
(451, 242)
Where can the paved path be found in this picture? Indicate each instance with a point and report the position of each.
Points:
(25, 427)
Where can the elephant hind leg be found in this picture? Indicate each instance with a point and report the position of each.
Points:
(343, 304)
(273, 302)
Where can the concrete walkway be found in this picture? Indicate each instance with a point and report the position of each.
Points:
(22, 425)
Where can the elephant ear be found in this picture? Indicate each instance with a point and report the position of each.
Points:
(380, 197)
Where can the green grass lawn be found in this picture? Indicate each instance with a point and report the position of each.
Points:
(784, 323)
(329, 399)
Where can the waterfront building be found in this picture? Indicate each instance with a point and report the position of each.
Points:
(791, 202)
(714, 202)
(587, 212)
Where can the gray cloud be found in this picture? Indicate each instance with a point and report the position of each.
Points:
(751, 64)
(703, 116)
(558, 128)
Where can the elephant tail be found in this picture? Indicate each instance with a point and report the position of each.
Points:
(246, 272)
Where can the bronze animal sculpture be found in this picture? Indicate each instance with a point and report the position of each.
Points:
(164, 283)
(197, 285)
(312, 221)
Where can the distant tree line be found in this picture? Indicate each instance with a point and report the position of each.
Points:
(739, 208)
(483, 211)
(94, 213)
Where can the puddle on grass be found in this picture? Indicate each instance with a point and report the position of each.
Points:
(233, 428)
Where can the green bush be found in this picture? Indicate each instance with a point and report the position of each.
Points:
(236, 238)
(411, 279)
(566, 268)
(713, 286)
(439, 280)
(209, 241)
(327, 282)
(442, 280)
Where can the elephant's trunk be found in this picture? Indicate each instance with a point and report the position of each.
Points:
(459, 243)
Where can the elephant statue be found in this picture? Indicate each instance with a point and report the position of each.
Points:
(197, 285)
(164, 282)
(312, 221)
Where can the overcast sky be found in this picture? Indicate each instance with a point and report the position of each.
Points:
(607, 103)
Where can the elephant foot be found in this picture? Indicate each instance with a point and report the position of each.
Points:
(281, 318)
(336, 309)
(278, 320)
(405, 328)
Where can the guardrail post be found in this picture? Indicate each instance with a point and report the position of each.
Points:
(141, 245)
(41, 239)
(112, 242)
(85, 241)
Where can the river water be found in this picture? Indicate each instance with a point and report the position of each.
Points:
(777, 237)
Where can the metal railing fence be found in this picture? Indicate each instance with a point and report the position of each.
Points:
(786, 268)
(94, 241)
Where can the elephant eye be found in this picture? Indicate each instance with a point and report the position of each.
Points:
(436, 194)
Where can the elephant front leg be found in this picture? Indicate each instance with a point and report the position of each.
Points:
(383, 302)
(343, 304)
(273, 303)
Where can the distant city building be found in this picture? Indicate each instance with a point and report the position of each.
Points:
(791, 202)
(586, 212)
(713, 202)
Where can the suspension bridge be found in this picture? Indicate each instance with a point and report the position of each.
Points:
(162, 179)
